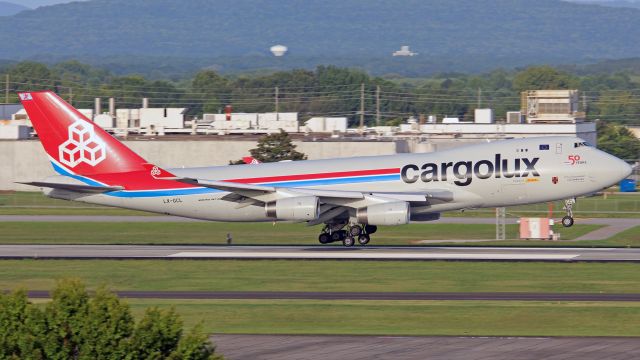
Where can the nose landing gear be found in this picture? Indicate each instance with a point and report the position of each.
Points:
(567, 221)
(333, 233)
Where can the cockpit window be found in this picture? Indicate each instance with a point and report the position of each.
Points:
(580, 144)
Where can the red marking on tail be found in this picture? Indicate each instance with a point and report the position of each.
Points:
(75, 141)
(85, 149)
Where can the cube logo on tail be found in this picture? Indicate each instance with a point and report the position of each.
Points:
(82, 146)
(25, 96)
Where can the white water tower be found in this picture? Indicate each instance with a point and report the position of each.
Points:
(279, 50)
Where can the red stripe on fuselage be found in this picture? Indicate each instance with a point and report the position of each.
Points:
(138, 180)
(142, 180)
(315, 176)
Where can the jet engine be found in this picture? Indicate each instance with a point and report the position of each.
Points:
(420, 217)
(392, 213)
(294, 208)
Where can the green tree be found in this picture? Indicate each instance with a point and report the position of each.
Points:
(276, 147)
(156, 335)
(194, 346)
(65, 316)
(212, 106)
(20, 328)
(211, 89)
(107, 328)
(618, 140)
(29, 75)
(75, 326)
(618, 106)
(542, 78)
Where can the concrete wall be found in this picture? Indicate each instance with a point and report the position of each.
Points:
(27, 161)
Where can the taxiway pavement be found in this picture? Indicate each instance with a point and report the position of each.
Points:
(344, 347)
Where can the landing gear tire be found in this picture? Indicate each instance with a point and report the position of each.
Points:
(363, 239)
(348, 241)
(370, 229)
(324, 238)
(355, 230)
(567, 221)
(336, 236)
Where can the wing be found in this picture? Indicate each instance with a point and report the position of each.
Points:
(267, 192)
(73, 187)
(334, 202)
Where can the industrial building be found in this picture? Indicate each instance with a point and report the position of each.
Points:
(11, 127)
(228, 136)
(238, 123)
(542, 113)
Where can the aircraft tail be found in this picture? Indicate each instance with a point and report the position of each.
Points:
(75, 143)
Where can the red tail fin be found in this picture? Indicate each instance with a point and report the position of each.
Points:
(74, 141)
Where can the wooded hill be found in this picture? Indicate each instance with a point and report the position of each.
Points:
(460, 33)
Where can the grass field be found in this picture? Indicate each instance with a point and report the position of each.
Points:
(35, 203)
(481, 318)
(242, 233)
(366, 276)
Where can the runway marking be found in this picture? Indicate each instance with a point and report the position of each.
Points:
(362, 255)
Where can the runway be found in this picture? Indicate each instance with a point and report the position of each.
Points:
(397, 253)
(344, 347)
(375, 296)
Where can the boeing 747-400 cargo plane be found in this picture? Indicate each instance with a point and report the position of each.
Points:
(351, 196)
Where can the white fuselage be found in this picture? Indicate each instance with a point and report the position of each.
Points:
(502, 173)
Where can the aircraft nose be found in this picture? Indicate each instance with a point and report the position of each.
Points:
(625, 169)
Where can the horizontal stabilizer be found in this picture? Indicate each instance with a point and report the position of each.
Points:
(74, 187)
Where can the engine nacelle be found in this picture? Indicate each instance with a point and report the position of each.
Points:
(294, 208)
(424, 217)
(393, 213)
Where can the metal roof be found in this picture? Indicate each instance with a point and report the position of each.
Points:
(6, 110)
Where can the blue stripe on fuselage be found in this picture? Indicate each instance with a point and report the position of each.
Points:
(64, 172)
(353, 180)
(204, 190)
(167, 192)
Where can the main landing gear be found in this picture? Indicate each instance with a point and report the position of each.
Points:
(354, 232)
(567, 221)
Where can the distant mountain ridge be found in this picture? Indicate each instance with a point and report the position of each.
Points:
(9, 9)
(514, 32)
